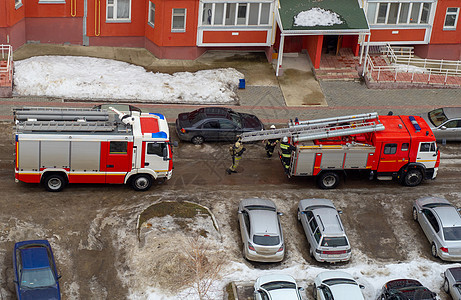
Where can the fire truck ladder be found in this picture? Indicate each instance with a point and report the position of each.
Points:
(62, 119)
(321, 128)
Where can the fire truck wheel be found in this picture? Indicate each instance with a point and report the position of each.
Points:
(141, 182)
(328, 180)
(413, 177)
(197, 140)
(55, 183)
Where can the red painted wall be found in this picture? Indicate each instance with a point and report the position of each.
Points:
(440, 36)
(313, 44)
(97, 25)
(55, 30)
(385, 35)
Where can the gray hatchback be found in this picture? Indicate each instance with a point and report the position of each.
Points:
(261, 230)
(324, 230)
(441, 224)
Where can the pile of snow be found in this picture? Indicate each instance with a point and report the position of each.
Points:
(87, 78)
(409, 68)
(317, 17)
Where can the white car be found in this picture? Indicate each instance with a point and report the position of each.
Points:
(276, 287)
(337, 285)
(452, 282)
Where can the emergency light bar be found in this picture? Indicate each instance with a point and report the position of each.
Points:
(415, 123)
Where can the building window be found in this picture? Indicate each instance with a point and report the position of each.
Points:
(178, 20)
(391, 13)
(451, 18)
(17, 3)
(151, 20)
(236, 14)
(118, 10)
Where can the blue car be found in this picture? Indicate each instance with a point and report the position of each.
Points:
(35, 274)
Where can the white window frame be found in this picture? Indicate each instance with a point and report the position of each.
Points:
(115, 19)
(17, 4)
(173, 14)
(410, 9)
(149, 19)
(237, 5)
(456, 19)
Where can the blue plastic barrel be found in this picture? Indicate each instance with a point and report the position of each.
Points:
(241, 83)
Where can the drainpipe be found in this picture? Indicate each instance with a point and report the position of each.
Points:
(86, 39)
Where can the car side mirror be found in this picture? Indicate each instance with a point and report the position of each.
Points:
(321, 287)
(239, 212)
(301, 289)
(339, 211)
(15, 281)
(361, 286)
(174, 143)
(280, 213)
(59, 277)
(443, 127)
(303, 212)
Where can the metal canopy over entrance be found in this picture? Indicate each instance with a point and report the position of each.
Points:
(353, 19)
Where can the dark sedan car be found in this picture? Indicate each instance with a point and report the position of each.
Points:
(406, 289)
(214, 124)
(445, 123)
(35, 274)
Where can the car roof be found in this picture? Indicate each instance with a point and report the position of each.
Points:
(448, 215)
(264, 222)
(34, 258)
(452, 112)
(215, 111)
(330, 221)
(432, 200)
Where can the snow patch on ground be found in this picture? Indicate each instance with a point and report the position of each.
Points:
(409, 69)
(88, 78)
(317, 17)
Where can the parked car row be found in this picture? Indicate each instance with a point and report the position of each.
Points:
(339, 285)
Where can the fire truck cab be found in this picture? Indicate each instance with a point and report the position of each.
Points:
(57, 146)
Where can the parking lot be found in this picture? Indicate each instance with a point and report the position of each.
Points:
(92, 228)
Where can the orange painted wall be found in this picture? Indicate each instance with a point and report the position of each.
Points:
(9, 15)
(386, 35)
(313, 44)
(162, 35)
(34, 9)
(440, 36)
(135, 27)
(228, 37)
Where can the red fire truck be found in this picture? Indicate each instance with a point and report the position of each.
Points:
(56, 146)
(401, 148)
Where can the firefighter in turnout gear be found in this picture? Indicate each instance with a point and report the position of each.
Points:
(286, 149)
(270, 145)
(236, 152)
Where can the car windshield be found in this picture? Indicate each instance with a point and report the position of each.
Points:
(415, 292)
(259, 207)
(334, 281)
(338, 241)
(37, 278)
(452, 233)
(236, 118)
(266, 240)
(437, 116)
(275, 285)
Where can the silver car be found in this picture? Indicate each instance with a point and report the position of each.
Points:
(441, 224)
(261, 230)
(452, 282)
(445, 123)
(276, 287)
(324, 230)
(336, 285)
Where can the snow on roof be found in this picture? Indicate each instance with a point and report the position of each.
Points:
(317, 17)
